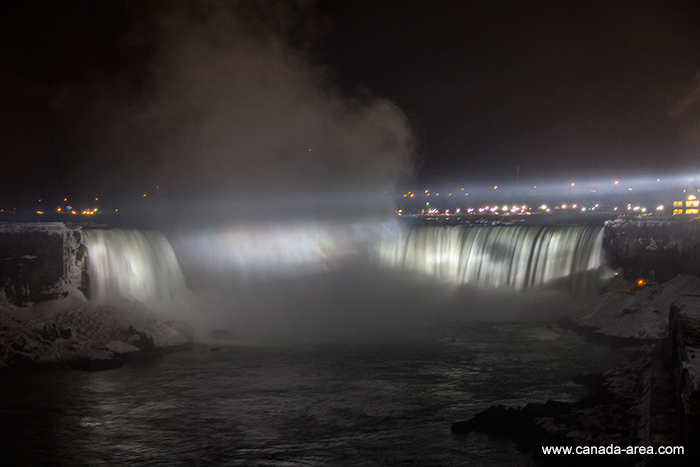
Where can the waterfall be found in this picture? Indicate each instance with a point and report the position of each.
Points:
(133, 265)
(519, 257)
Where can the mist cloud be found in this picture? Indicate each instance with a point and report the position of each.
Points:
(228, 105)
(687, 112)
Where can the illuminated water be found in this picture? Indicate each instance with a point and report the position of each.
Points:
(339, 362)
(132, 265)
(382, 404)
(519, 257)
(143, 266)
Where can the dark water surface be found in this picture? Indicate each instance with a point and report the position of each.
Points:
(389, 404)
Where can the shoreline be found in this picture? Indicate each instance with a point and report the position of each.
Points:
(635, 404)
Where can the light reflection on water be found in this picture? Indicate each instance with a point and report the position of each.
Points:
(297, 405)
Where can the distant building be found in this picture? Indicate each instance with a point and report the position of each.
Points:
(689, 206)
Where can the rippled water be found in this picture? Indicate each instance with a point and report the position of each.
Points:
(387, 404)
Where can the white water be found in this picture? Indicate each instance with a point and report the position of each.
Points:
(142, 265)
(519, 257)
(132, 265)
(279, 291)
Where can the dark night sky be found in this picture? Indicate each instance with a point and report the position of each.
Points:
(556, 87)
(116, 97)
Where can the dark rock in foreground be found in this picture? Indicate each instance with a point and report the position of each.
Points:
(612, 413)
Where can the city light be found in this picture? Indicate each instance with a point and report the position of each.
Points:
(625, 197)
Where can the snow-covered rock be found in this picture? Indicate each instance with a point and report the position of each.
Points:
(121, 347)
(71, 332)
(37, 259)
(639, 312)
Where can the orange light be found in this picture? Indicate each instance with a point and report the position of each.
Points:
(496, 187)
(641, 282)
(144, 195)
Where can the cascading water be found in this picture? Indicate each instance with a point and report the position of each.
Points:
(133, 265)
(519, 257)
